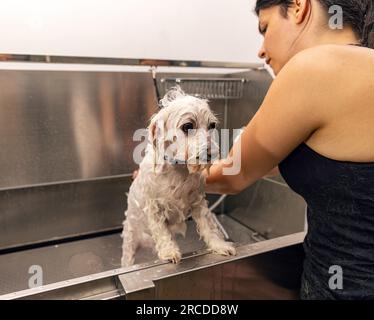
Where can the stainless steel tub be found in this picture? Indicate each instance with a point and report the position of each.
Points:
(65, 165)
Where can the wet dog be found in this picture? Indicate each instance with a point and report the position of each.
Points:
(169, 187)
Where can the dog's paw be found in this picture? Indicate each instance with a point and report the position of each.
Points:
(223, 247)
(170, 254)
(127, 261)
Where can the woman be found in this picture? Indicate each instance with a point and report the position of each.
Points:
(316, 125)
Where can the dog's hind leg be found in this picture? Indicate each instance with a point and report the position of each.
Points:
(209, 231)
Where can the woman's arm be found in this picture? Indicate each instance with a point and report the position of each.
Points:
(291, 111)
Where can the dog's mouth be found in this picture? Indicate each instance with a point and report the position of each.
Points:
(174, 161)
(197, 160)
(195, 168)
(200, 164)
(192, 167)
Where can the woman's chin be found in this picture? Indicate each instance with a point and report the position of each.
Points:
(275, 69)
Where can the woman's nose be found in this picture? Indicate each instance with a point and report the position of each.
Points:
(261, 52)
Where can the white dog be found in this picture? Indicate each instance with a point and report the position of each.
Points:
(169, 186)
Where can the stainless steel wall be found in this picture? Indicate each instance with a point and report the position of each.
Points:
(66, 148)
(60, 126)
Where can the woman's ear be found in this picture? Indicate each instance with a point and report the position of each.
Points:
(300, 10)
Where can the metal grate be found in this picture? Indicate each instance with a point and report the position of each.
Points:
(212, 88)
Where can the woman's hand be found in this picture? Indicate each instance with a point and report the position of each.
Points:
(217, 182)
(135, 174)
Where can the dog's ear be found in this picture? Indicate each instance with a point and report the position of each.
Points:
(154, 134)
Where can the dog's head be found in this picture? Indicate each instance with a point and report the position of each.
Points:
(183, 132)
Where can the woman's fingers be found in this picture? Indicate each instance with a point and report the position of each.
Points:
(135, 174)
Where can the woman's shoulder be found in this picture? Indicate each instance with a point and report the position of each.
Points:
(324, 67)
(310, 66)
(331, 57)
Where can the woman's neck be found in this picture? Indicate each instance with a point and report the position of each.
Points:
(340, 37)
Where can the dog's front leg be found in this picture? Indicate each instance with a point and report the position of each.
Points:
(208, 230)
(129, 244)
(166, 247)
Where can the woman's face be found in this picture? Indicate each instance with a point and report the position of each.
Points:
(279, 35)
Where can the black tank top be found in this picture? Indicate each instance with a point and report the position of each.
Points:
(340, 217)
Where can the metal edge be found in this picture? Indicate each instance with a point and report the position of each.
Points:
(243, 251)
(61, 182)
(8, 57)
(98, 276)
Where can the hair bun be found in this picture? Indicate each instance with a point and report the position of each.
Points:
(368, 29)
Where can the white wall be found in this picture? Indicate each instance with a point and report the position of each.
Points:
(215, 30)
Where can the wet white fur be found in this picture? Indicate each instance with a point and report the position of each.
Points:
(164, 195)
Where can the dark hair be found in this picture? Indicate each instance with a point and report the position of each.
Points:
(359, 14)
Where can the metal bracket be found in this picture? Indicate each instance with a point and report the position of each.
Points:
(134, 287)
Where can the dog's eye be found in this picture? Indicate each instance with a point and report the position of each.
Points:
(187, 126)
(212, 126)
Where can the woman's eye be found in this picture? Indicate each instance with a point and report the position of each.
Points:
(212, 126)
(187, 126)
